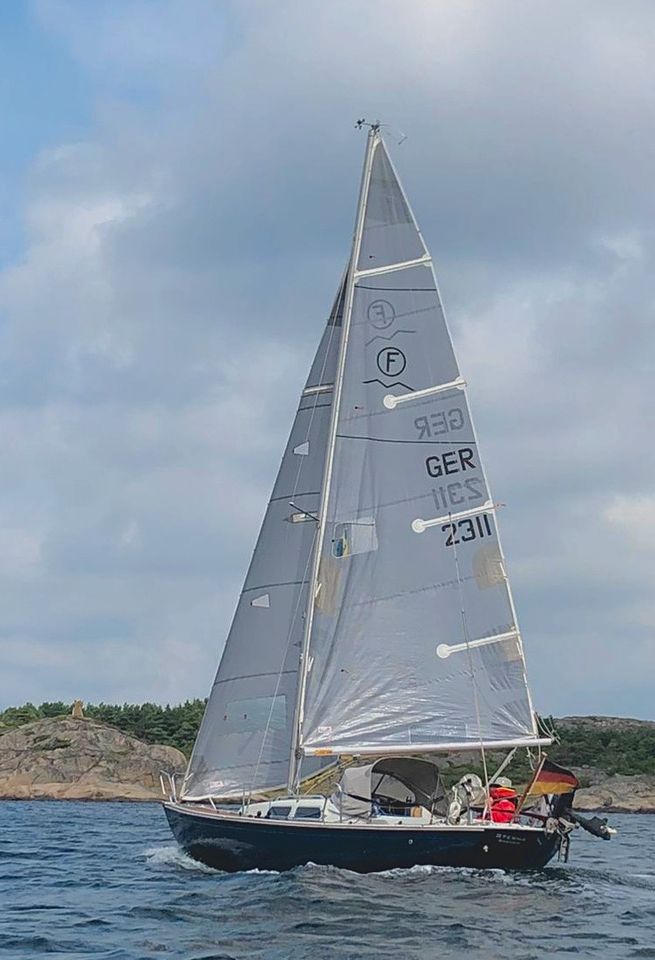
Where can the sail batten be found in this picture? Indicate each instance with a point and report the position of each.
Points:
(391, 400)
(392, 267)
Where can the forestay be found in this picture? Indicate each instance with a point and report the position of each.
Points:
(244, 742)
(414, 641)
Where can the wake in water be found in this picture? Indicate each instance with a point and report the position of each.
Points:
(174, 856)
(563, 877)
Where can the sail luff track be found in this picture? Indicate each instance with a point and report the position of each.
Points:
(371, 144)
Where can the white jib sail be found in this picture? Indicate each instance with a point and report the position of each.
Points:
(244, 742)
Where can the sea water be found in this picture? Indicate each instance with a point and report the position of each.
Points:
(106, 880)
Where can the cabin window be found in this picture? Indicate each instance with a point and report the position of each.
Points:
(255, 714)
(279, 812)
(307, 813)
(358, 536)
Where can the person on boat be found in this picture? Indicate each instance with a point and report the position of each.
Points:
(503, 799)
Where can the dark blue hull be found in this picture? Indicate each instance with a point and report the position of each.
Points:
(229, 842)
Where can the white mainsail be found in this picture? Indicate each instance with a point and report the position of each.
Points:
(412, 640)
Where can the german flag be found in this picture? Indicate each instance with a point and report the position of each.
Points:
(552, 779)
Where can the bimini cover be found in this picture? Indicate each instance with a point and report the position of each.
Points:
(394, 780)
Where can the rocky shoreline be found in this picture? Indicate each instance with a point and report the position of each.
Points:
(615, 793)
(68, 758)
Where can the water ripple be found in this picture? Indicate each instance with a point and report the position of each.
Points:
(107, 882)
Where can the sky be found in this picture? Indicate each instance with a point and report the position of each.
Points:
(177, 191)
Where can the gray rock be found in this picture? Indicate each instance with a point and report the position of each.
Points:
(619, 794)
(64, 758)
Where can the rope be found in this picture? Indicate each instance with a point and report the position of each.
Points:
(476, 700)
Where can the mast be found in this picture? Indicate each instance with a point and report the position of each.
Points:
(371, 143)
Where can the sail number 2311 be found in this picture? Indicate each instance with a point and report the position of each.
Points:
(469, 528)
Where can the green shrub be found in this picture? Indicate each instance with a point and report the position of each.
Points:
(615, 748)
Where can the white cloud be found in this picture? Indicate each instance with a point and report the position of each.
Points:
(179, 263)
(634, 519)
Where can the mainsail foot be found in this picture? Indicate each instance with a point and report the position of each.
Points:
(354, 637)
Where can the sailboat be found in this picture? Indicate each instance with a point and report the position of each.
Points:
(376, 629)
